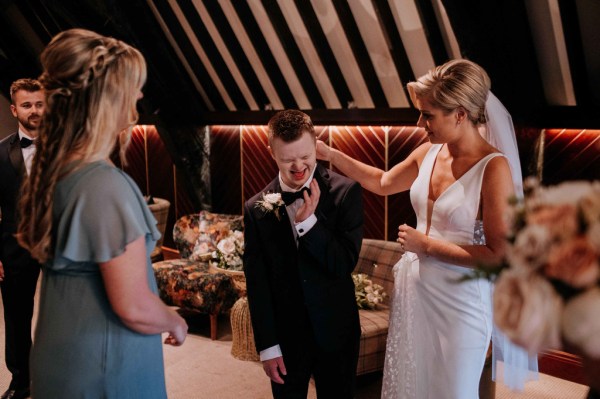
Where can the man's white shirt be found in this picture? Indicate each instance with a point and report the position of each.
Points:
(28, 152)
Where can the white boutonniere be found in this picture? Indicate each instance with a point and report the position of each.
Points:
(271, 202)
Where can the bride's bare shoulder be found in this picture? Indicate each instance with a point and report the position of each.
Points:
(419, 153)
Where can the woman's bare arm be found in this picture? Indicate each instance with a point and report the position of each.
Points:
(126, 283)
(397, 179)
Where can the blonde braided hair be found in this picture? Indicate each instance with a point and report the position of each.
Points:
(92, 84)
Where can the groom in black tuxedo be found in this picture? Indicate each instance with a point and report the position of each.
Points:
(18, 271)
(302, 243)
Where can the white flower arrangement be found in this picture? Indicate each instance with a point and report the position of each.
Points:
(368, 295)
(202, 251)
(271, 202)
(229, 252)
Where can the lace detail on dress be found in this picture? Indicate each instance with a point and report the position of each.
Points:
(478, 235)
(400, 377)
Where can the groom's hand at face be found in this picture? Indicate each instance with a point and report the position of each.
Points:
(274, 368)
(310, 202)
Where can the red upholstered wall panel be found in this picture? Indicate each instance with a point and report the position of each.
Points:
(367, 144)
(571, 154)
(258, 167)
(241, 165)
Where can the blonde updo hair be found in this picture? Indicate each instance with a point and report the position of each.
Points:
(457, 83)
(92, 84)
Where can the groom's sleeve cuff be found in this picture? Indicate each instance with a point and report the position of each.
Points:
(305, 226)
(270, 353)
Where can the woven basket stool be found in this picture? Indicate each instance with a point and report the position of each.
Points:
(242, 347)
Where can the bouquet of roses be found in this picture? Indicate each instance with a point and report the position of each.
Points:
(368, 295)
(229, 252)
(548, 291)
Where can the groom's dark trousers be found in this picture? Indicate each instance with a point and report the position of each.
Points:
(301, 293)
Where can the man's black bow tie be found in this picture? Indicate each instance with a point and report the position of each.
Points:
(289, 197)
(25, 142)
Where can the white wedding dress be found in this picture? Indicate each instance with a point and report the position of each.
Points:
(440, 329)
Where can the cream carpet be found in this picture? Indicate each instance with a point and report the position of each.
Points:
(205, 369)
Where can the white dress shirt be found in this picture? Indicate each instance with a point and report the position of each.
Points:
(28, 152)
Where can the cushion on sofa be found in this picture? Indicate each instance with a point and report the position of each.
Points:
(373, 338)
(377, 259)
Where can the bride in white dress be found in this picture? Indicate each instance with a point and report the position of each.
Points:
(460, 183)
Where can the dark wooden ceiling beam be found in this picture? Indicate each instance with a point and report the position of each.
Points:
(361, 54)
(264, 53)
(394, 42)
(212, 53)
(431, 26)
(574, 43)
(548, 118)
(355, 116)
(190, 55)
(497, 35)
(237, 52)
(293, 52)
(319, 40)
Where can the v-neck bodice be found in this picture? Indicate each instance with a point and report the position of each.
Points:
(454, 213)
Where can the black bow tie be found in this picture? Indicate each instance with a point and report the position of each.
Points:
(289, 197)
(25, 142)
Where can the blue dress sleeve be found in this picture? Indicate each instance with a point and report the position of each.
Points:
(103, 212)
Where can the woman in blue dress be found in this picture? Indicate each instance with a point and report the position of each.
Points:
(100, 320)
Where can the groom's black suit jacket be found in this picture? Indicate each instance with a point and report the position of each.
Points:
(306, 287)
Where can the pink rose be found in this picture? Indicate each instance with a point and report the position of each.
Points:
(590, 205)
(528, 310)
(593, 236)
(581, 324)
(560, 220)
(530, 249)
(575, 262)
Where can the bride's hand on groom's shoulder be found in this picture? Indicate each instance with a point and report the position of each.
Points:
(323, 151)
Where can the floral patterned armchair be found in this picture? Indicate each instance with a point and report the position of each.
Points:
(194, 284)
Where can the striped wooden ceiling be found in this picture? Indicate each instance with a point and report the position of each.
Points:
(235, 61)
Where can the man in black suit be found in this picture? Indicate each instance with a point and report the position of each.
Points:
(298, 260)
(18, 271)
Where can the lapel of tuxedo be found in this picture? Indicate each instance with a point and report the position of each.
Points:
(16, 157)
(322, 176)
(281, 228)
